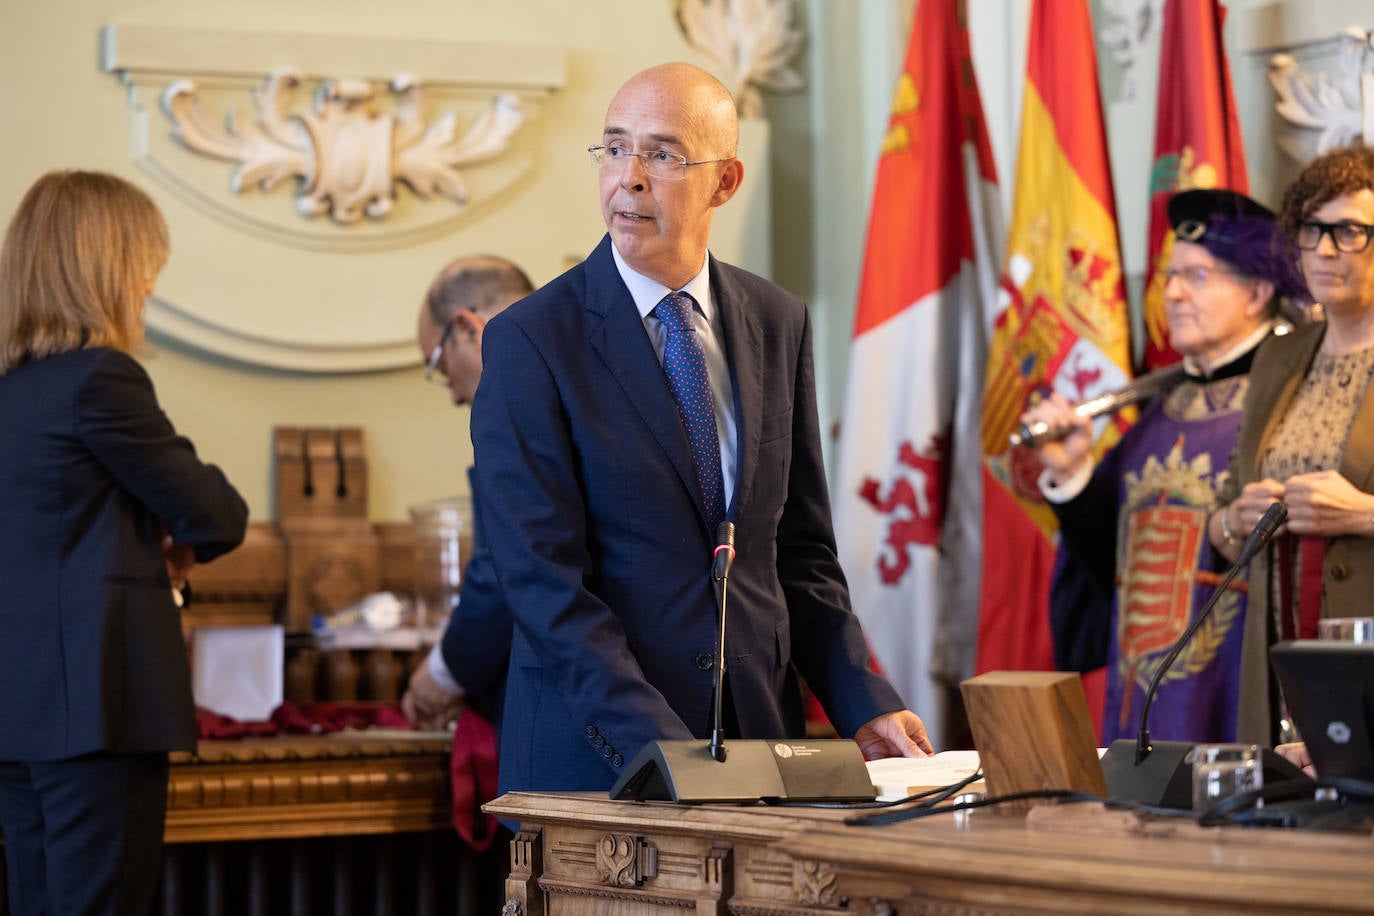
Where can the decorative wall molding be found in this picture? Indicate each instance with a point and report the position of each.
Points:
(752, 43)
(1129, 24)
(459, 130)
(346, 157)
(1340, 107)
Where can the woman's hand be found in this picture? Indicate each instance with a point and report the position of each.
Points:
(1325, 503)
(1249, 507)
(180, 559)
(1064, 457)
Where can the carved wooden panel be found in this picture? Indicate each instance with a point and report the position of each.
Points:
(308, 786)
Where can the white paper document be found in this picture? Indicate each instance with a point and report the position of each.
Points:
(898, 777)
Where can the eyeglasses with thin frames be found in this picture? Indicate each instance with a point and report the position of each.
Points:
(1347, 235)
(437, 354)
(658, 163)
(1197, 276)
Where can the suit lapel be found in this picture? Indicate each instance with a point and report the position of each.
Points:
(744, 353)
(622, 344)
(1281, 386)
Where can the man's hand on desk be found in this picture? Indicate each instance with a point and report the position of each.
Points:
(426, 703)
(894, 734)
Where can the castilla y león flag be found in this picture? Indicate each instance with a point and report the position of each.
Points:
(1197, 141)
(908, 488)
(1062, 324)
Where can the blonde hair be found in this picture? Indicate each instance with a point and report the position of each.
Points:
(76, 262)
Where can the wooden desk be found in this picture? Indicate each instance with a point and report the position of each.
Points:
(345, 784)
(582, 854)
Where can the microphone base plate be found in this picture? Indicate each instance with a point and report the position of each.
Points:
(685, 772)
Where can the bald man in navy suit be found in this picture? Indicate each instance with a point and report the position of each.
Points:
(601, 502)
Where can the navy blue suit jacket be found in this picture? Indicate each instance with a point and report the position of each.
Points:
(92, 656)
(599, 539)
(476, 642)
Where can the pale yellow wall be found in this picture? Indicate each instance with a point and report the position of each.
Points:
(60, 110)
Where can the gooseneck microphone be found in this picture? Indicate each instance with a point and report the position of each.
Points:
(772, 769)
(1264, 530)
(1157, 773)
(724, 558)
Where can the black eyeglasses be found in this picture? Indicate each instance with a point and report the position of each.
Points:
(438, 353)
(1347, 235)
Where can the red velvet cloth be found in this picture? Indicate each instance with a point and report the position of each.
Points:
(472, 772)
(314, 719)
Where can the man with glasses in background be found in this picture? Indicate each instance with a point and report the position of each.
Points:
(469, 664)
(1131, 523)
(627, 409)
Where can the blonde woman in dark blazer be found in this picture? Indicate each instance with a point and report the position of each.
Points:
(1306, 436)
(104, 506)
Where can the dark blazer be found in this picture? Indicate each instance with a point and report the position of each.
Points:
(1281, 365)
(92, 657)
(476, 643)
(600, 541)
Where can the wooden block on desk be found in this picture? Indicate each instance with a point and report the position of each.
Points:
(1033, 731)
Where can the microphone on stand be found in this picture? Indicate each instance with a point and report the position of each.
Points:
(758, 770)
(1159, 772)
(720, 572)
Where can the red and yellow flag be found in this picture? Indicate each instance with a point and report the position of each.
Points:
(1062, 324)
(908, 475)
(1197, 141)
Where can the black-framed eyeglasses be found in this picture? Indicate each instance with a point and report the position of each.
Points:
(438, 353)
(1347, 235)
(658, 163)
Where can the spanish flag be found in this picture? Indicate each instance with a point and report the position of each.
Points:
(1197, 141)
(1062, 324)
(908, 500)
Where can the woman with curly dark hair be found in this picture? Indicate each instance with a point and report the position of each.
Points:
(1306, 436)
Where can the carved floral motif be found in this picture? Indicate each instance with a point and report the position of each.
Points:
(345, 156)
(814, 883)
(752, 42)
(1341, 108)
(617, 860)
(1129, 24)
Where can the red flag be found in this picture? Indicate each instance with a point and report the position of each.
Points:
(1197, 141)
(908, 471)
(1062, 324)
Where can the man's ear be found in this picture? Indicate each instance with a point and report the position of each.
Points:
(731, 176)
(468, 323)
(1259, 299)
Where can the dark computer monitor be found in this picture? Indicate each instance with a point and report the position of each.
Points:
(1329, 690)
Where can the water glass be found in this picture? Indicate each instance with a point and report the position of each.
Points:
(1346, 629)
(1223, 770)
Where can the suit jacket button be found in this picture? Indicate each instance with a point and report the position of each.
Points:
(598, 741)
(617, 761)
(705, 662)
(1339, 572)
(590, 731)
(608, 752)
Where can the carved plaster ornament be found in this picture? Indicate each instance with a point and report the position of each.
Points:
(1129, 23)
(345, 156)
(1341, 109)
(752, 42)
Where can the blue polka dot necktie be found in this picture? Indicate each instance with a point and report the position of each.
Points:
(685, 365)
